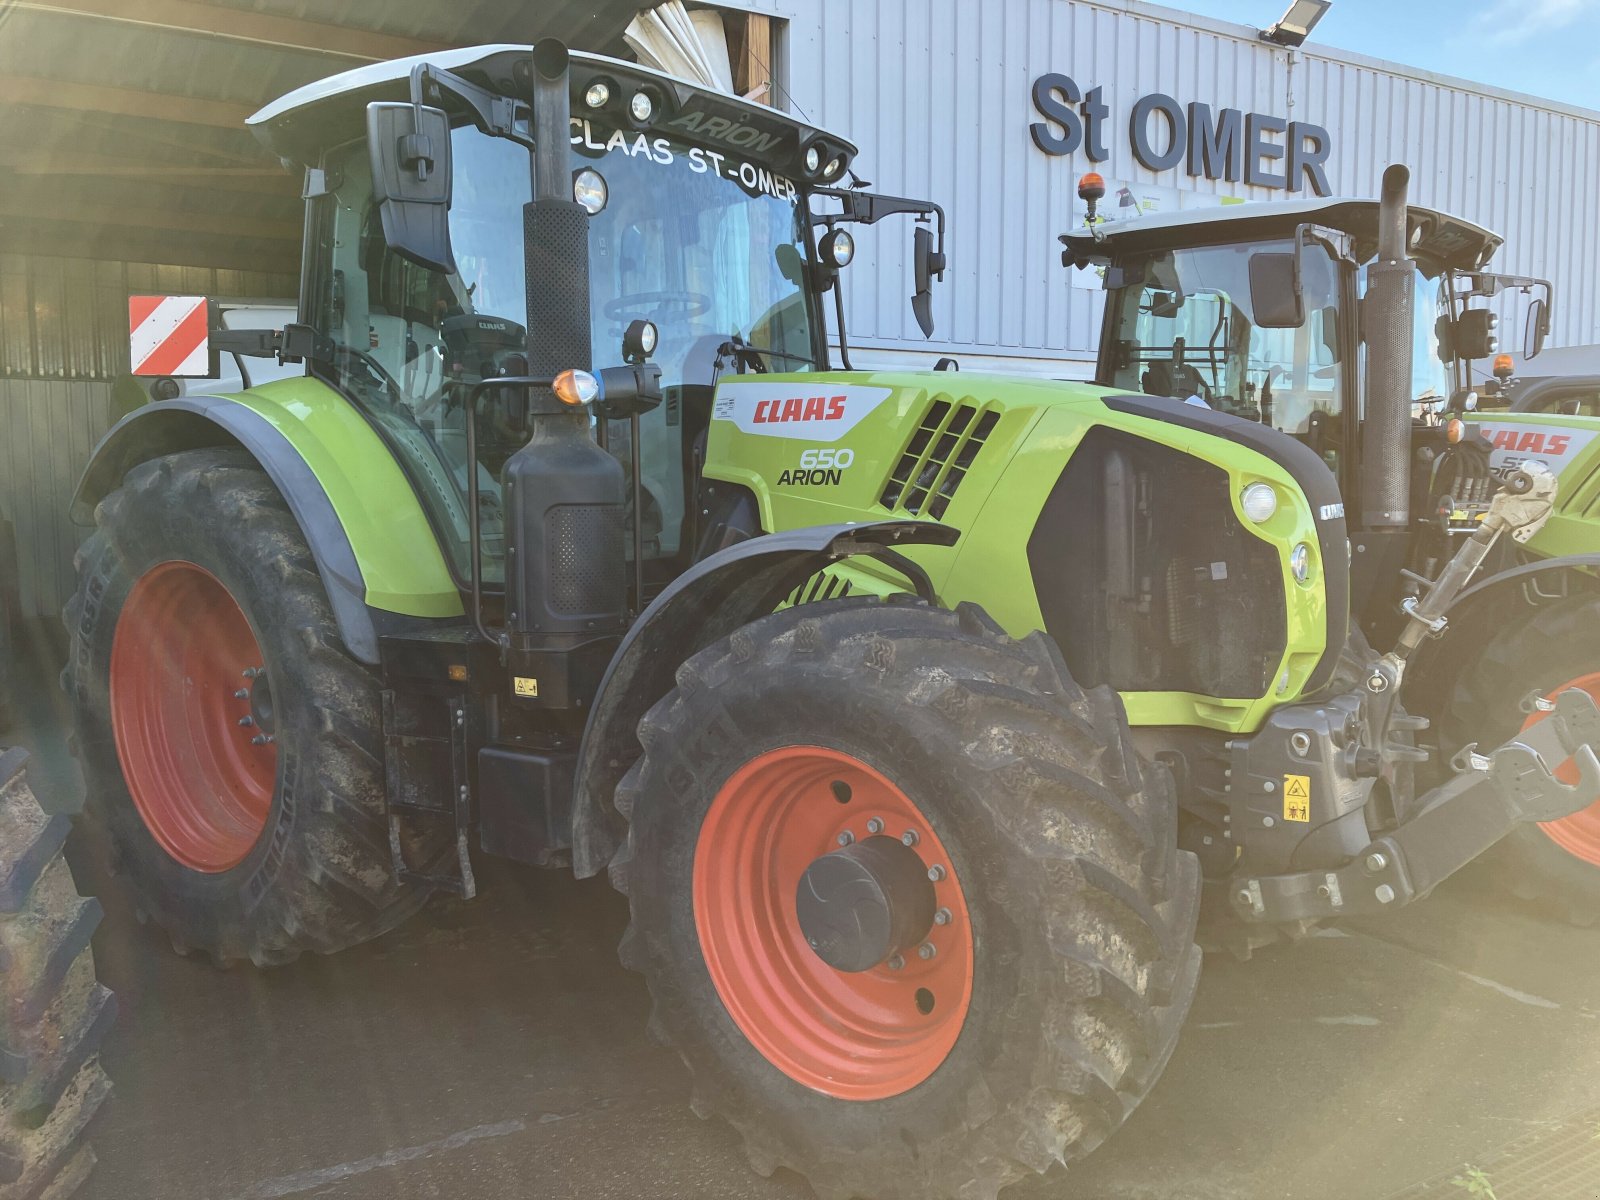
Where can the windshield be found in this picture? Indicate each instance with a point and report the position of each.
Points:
(706, 246)
(1183, 326)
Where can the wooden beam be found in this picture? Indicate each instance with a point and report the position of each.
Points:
(59, 207)
(58, 161)
(143, 246)
(242, 25)
(149, 106)
(758, 58)
(150, 134)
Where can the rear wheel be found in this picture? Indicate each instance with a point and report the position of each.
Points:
(53, 1012)
(233, 746)
(907, 901)
(1545, 651)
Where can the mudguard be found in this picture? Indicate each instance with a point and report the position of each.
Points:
(703, 605)
(371, 541)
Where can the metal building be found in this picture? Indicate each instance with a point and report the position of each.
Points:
(129, 169)
(939, 94)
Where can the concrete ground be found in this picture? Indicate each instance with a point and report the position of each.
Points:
(496, 1049)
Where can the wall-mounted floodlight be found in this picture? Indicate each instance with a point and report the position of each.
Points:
(1296, 25)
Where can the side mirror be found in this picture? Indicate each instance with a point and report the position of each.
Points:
(929, 263)
(410, 149)
(1276, 298)
(1538, 328)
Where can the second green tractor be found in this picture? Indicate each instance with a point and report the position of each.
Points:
(915, 713)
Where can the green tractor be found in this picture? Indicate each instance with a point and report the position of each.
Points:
(570, 546)
(1257, 310)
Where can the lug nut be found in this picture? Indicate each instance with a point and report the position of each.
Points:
(909, 838)
(936, 873)
(846, 838)
(926, 951)
(247, 720)
(252, 672)
(895, 962)
(942, 917)
(874, 826)
(1376, 862)
(242, 694)
(262, 739)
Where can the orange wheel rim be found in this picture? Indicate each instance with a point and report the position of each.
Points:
(1579, 833)
(862, 1034)
(184, 682)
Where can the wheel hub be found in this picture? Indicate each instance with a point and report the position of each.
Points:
(807, 919)
(860, 906)
(193, 738)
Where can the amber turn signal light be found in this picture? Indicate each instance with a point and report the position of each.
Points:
(576, 388)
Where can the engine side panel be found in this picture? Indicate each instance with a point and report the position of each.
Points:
(984, 455)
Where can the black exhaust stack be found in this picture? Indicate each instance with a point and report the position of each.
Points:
(1386, 319)
(566, 569)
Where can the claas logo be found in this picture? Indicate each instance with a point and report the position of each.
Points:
(1529, 441)
(794, 409)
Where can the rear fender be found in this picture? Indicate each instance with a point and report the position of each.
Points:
(702, 606)
(364, 525)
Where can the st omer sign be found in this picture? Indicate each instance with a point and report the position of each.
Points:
(1257, 149)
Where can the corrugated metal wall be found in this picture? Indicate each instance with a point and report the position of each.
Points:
(937, 94)
(63, 381)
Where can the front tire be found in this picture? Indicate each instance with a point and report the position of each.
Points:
(232, 745)
(1545, 650)
(53, 1011)
(1062, 960)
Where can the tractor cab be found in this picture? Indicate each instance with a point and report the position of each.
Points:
(715, 229)
(1263, 311)
(1253, 309)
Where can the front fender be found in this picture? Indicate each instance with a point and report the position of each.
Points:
(372, 543)
(703, 605)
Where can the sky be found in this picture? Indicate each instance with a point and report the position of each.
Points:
(1547, 48)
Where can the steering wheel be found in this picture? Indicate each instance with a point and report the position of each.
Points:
(663, 307)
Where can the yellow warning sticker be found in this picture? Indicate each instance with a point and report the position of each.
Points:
(525, 686)
(1297, 798)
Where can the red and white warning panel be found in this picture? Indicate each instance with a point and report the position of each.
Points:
(169, 335)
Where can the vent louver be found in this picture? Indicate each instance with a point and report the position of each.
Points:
(940, 454)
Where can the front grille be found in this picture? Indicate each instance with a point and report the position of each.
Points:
(938, 457)
(1148, 580)
(824, 585)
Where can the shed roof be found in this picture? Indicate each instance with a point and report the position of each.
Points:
(122, 126)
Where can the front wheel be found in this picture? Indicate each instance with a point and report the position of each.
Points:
(1541, 651)
(907, 901)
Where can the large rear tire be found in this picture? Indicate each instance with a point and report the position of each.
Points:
(1019, 1026)
(200, 629)
(53, 1012)
(1545, 650)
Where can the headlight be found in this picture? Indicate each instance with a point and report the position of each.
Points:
(598, 95)
(1300, 562)
(642, 107)
(838, 248)
(589, 189)
(1259, 502)
(813, 160)
(833, 168)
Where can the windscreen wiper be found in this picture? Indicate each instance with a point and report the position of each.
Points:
(743, 354)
